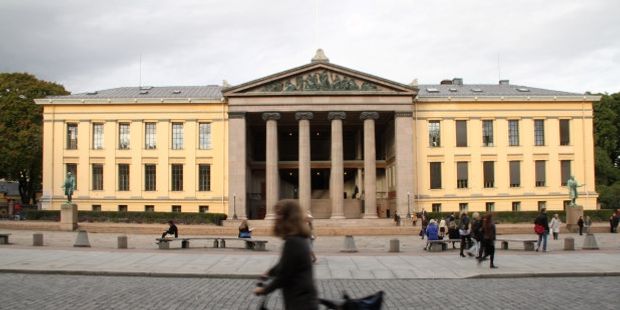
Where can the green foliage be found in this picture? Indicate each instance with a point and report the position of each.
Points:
(607, 150)
(130, 217)
(609, 196)
(21, 131)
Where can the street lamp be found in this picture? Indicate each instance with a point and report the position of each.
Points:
(408, 205)
(234, 207)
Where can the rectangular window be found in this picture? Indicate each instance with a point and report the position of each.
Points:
(434, 134)
(177, 177)
(542, 205)
(72, 132)
(487, 133)
(436, 207)
(515, 173)
(435, 175)
(564, 132)
(463, 207)
(516, 206)
(565, 170)
(177, 136)
(122, 208)
(176, 209)
(150, 136)
(490, 206)
(123, 177)
(539, 132)
(461, 133)
(204, 178)
(541, 177)
(123, 136)
(97, 136)
(97, 177)
(489, 174)
(96, 208)
(204, 136)
(149, 208)
(203, 209)
(150, 178)
(462, 174)
(513, 132)
(73, 169)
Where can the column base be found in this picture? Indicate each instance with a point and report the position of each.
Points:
(337, 217)
(270, 217)
(371, 216)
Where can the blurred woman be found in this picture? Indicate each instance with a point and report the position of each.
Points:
(293, 273)
(244, 230)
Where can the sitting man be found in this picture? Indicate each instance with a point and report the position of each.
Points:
(172, 230)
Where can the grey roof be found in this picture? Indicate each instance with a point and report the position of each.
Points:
(467, 90)
(168, 92)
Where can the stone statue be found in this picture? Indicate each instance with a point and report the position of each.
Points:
(69, 185)
(572, 185)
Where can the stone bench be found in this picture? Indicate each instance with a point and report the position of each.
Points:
(218, 242)
(440, 245)
(528, 244)
(4, 238)
(250, 244)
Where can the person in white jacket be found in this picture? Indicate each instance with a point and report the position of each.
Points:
(554, 225)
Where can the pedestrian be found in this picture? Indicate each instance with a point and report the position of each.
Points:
(580, 224)
(244, 230)
(432, 233)
(172, 230)
(611, 224)
(424, 225)
(453, 232)
(555, 226)
(488, 239)
(616, 220)
(587, 224)
(414, 219)
(464, 233)
(293, 273)
(541, 227)
(476, 234)
(309, 219)
(396, 218)
(442, 228)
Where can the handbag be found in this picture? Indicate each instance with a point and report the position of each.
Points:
(539, 229)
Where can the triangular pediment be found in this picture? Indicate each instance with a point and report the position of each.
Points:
(319, 79)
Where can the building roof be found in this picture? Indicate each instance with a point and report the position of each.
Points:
(166, 92)
(485, 90)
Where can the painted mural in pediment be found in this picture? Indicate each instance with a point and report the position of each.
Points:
(321, 80)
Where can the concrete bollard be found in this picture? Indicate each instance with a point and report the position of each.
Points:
(589, 243)
(121, 242)
(82, 239)
(349, 245)
(37, 239)
(569, 244)
(394, 245)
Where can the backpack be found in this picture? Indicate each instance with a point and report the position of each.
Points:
(539, 229)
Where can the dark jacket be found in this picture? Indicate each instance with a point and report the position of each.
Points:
(293, 274)
(580, 223)
(489, 235)
(476, 229)
(542, 220)
(173, 230)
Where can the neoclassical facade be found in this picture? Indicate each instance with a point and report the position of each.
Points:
(346, 144)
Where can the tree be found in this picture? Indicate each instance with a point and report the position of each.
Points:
(21, 130)
(607, 149)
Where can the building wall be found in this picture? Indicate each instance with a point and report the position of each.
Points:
(56, 155)
(579, 152)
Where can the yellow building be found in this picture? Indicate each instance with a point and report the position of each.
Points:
(345, 143)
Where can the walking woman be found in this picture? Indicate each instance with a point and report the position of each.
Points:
(488, 238)
(555, 226)
(293, 273)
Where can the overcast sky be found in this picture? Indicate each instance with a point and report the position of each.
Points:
(91, 45)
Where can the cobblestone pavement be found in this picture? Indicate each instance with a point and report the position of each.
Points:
(25, 291)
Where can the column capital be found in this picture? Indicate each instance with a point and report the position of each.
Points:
(336, 115)
(236, 114)
(271, 116)
(304, 115)
(369, 115)
(403, 114)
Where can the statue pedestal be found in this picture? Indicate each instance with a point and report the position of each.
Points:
(68, 216)
(572, 216)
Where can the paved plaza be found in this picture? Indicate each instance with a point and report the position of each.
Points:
(27, 291)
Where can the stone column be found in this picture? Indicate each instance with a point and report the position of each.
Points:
(403, 140)
(237, 166)
(370, 164)
(271, 164)
(336, 178)
(305, 182)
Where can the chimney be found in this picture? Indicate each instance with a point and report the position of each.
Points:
(504, 82)
(457, 81)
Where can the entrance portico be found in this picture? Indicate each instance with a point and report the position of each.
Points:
(325, 135)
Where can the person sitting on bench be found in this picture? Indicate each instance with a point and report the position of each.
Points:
(172, 230)
(244, 230)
